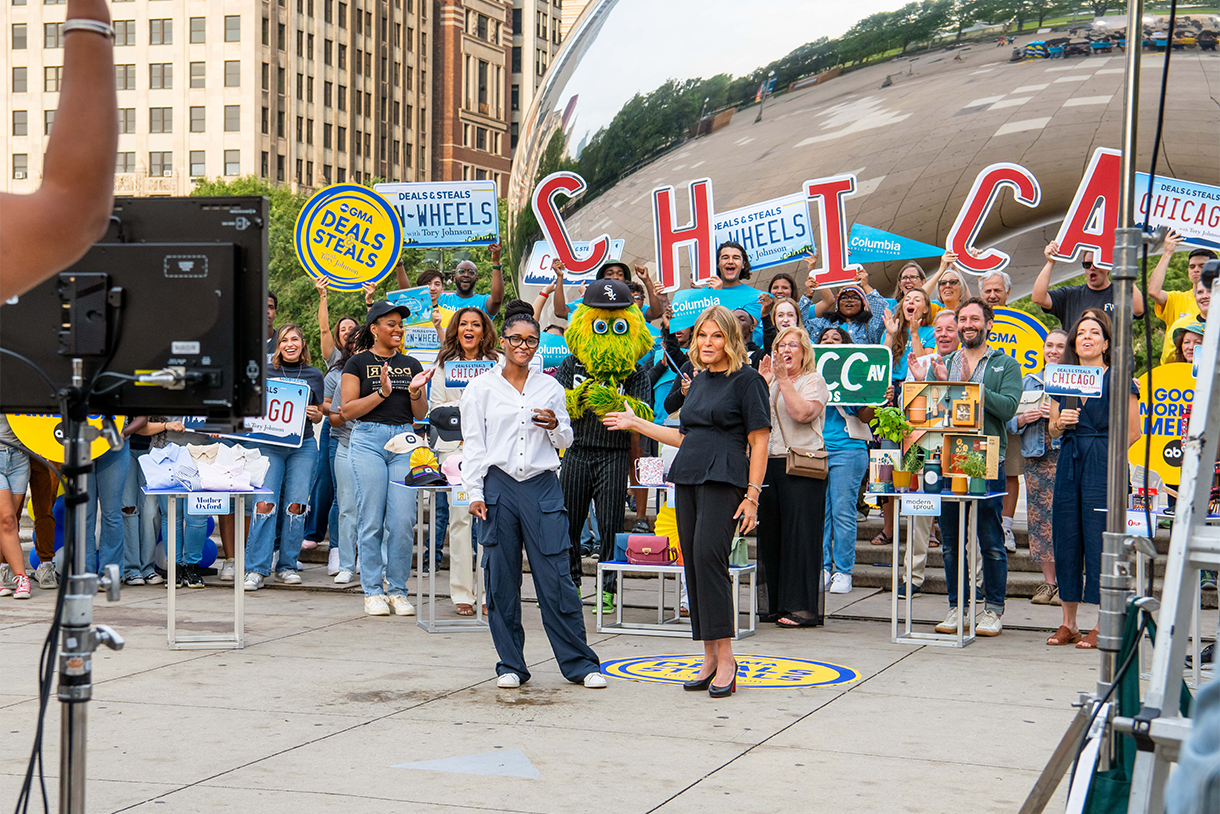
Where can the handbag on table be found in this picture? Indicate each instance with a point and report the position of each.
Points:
(650, 549)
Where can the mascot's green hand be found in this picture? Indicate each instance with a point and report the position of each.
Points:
(575, 400)
(639, 408)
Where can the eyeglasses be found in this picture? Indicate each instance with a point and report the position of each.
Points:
(1086, 264)
(530, 342)
(910, 278)
(948, 282)
(788, 345)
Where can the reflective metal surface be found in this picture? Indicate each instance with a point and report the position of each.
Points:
(624, 98)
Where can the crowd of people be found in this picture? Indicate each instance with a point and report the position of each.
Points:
(735, 393)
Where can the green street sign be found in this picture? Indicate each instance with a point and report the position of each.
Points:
(857, 375)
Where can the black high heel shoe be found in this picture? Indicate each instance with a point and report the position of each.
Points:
(726, 691)
(699, 684)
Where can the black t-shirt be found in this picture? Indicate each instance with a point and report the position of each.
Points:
(1067, 304)
(305, 374)
(366, 366)
(721, 410)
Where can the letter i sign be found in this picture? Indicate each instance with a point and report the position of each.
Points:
(829, 193)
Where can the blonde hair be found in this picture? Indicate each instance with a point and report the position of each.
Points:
(277, 358)
(807, 361)
(734, 344)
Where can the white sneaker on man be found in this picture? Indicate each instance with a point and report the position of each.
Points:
(228, 571)
(595, 681)
(253, 582)
(46, 576)
(288, 577)
(401, 606)
(332, 561)
(345, 578)
(987, 624)
(950, 623)
(376, 605)
(510, 681)
(840, 584)
(1010, 541)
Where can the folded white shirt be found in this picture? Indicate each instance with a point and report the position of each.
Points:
(187, 473)
(203, 453)
(158, 474)
(229, 479)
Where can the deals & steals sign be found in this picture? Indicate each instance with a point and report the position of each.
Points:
(348, 235)
(445, 213)
(1073, 380)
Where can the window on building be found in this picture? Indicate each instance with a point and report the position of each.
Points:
(125, 77)
(309, 89)
(516, 59)
(232, 162)
(279, 124)
(515, 97)
(20, 80)
(341, 138)
(300, 171)
(161, 119)
(481, 27)
(328, 13)
(480, 138)
(199, 29)
(198, 71)
(328, 93)
(52, 78)
(232, 118)
(410, 78)
(326, 172)
(367, 145)
(264, 164)
(266, 121)
(381, 142)
(127, 120)
(397, 112)
(21, 123)
(309, 48)
(233, 73)
(125, 162)
(309, 173)
(232, 28)
(342, 56)
(301, 87)
(359, 61)
(279, 168)
(300, 129)
(309, 131)
(279, 81)
(161, 163)
(326, 136)
(368, 63)
(410, 38)
(161, 32)
(19, 36)
(343, 97)
(300, 43)
(394, 148)
(540, 61)
(340, 175)
(124, 32)
(512, 142)
(423, 41)
(280, 37)
(357, 144)
(480, 175)
(198, 119)
(196, 160)
(482, 79)
(327, 46)
(52, 35)
(516, 21)
(161, 75)
(21, 166)
(266, 36)
(343, 15)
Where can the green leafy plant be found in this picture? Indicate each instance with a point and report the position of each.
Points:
(973, 465)
(890, 424)
(914, 458)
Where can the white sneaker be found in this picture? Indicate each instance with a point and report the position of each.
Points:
(253, 581)
(987, 624)
(289, 577)
(840, 584)
(825, 580)
(8, 579)
(308, 544)
(401, 606)
(228, 571)
(332, 561)
(1010, 541)
(376, 605)
(46, 576)
(152, 579)
(136, 580)
(510, 681)
(595, 681)
(950, 623)
(345, 578)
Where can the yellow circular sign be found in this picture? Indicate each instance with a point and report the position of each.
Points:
(752, 671)
(348, 235)
(1173, 387)
(44, 434)
(1020, 335)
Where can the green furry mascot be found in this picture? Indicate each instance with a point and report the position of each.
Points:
(607, 334)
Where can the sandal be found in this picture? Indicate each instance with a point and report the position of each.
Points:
(933, 542)
(464, 609)
(1063, 636)
(792, 620)
(881, 539)
(1089, 642)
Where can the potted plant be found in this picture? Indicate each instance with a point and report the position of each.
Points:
(912, 462)
(974, 466)
(890, 425)
(961, 482)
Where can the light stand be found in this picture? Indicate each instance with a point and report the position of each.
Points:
(80, 637)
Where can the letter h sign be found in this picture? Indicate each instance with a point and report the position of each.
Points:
(696, 235)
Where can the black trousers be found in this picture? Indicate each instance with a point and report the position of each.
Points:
(791, 514)
(530, 513)
(705, 531)
(598, 475)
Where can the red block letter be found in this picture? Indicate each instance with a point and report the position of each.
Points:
(978, 203)
(553, 226)
(1093, 215)
(833, 218)
(697, 234)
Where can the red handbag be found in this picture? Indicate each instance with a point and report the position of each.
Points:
(650, 549)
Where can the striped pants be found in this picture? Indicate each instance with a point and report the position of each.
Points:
(600, 475)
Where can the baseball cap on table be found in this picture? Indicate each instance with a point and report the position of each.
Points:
(601, 272)
(382, 307)
(425, 471)
(447, 421)
(608, 294)
(452, 469)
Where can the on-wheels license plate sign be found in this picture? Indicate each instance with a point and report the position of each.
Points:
(284, 422)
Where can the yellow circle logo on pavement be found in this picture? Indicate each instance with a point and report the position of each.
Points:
(348, 235)
(752, 671)
(44, 434)
(1020, 335)
(1173, 387)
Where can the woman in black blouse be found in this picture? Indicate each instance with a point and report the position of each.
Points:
(719, 469)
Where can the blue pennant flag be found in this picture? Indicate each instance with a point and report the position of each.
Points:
(870, 245)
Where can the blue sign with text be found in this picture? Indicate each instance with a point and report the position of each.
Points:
(445, 213)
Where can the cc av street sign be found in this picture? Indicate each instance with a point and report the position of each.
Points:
(856, 375)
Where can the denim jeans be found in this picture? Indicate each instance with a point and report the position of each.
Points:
(106, 487)
(288, 478)
(847, 467)
(343, 523)
(190, 531)
(991, 547)
(384, 512)
(332, 517)
(140, 526)
(322, 493)
(589, 535)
